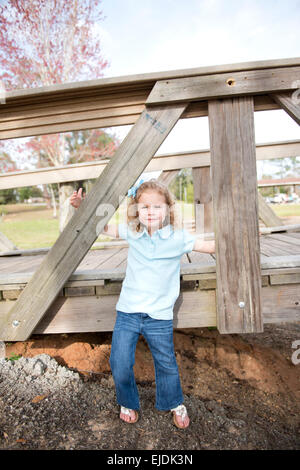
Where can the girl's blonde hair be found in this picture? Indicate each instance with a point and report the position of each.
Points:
(132, 210)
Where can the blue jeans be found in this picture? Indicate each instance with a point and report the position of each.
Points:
(159, 336)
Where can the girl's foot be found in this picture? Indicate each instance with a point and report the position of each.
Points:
(128, 415)
(180, 417)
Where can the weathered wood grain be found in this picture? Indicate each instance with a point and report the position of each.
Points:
(266, 214)
(195, 309)
(165, 162)
(250, 82)
(290, 102)
(95, 211)
(235, 204)
(203, 206)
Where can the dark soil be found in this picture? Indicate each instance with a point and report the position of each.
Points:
(241, 392)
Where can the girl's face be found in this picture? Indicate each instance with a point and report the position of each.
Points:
(152, 209)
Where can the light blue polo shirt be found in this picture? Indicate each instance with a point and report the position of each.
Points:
(152, 280)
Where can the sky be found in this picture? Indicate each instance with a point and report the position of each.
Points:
(141, 36)
(146, 36)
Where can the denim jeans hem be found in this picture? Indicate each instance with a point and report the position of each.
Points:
(136, 409)
(169, 409)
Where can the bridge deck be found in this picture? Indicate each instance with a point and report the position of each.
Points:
(87, 301)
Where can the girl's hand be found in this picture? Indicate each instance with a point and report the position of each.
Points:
(76, 198)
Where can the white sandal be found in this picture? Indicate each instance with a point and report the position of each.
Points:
(126, 411)
(180, 410)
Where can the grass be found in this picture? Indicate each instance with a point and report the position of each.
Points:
(30, 227)
(286, 210)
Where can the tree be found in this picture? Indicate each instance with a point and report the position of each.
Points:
(6, 163)
(44, 43)
(49, 42)
(183, 179)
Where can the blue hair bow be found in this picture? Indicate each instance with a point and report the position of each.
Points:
(133, 189)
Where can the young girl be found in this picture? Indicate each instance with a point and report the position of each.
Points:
(149, 291)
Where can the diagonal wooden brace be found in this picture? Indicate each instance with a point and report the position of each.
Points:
(96, 210)
(290, 102)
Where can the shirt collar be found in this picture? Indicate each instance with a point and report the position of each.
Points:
(163, 232)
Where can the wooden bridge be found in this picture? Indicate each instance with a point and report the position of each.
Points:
(250, 280)
(87, 301)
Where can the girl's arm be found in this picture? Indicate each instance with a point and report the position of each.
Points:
(206, 246)
(109, 229)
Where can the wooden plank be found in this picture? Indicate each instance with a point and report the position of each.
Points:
(194, 309)
(65, 96)
(120, 117)
(79, 116)
(5, 243)
(63, 107)
(166, 177)
(279, 246)
(289, 103)
(171, 162)
(224, 85)
(234, 185)
(83, 229)
(70, 126)
(203, 205)
(266, 214)
(286, 261)
(292, 242)
(79, 291)
(280, 228)
(93, 259)
(115, 260)
(285, 279)
(281, 303)
(115, 84)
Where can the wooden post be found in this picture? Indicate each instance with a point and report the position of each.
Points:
(95, 211)
(203, 199)
(235, 205)
(66, 211)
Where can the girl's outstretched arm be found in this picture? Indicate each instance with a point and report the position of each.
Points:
(204, 246)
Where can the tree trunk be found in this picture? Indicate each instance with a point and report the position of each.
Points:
(66, 211)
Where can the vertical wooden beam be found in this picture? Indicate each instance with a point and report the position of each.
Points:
(235, 205)
(95, 211)
(203, 199)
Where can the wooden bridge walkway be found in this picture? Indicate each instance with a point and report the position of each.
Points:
(87, 300)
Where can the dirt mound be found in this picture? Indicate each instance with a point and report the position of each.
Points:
(241, 392)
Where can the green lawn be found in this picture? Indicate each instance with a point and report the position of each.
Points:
(27, 234)
(286, 210)
(30, 227)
